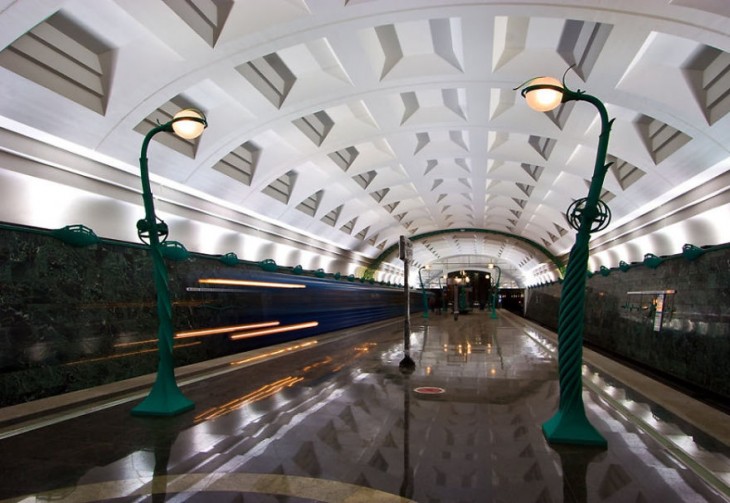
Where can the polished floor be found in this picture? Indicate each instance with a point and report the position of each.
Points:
(332, 419)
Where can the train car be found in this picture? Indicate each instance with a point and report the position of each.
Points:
(78, 318)
(249, 308)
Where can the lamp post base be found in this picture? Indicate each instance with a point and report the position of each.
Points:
(407, 365)
(165, 399)
(572, 427)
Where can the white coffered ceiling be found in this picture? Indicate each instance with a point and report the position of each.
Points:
(358, 121)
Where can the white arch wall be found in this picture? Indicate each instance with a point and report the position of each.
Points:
(705, 229)
(37, 202)
(41, 186)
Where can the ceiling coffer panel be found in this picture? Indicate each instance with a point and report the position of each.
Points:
(66, 58)
(363, 121)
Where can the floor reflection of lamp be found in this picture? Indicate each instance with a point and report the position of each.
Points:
(569, 424)
(165, 398)
(406, 487)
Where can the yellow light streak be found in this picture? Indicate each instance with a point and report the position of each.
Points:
(268, 389)
(366, 346)
(222, 330)
(135, 343)
(244, 282)
(286, 328)
(124, 355)
(313, 366)
(263, 392)
(274, 353)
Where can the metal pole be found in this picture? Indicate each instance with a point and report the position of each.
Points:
(406, 364)
(407, 324)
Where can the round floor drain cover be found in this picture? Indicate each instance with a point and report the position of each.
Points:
(429, 390)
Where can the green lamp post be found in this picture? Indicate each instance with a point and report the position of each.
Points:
(570, 425)
(495, 294)
(165, 398)
(460, 302)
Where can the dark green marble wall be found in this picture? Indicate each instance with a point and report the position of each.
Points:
(56, 306)
(78, 315)
(689, 341)
(74, 317)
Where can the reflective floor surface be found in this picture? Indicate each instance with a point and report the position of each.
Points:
(334, 420)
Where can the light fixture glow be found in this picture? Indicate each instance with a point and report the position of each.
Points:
(189, 128)
(545, 99)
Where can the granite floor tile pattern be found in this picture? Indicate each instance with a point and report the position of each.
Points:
(339, 422)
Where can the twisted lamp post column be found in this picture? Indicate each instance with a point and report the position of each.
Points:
(570, 425)
(165, 398)
(495, 294)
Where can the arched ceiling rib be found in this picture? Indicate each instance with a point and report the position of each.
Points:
(360, 121)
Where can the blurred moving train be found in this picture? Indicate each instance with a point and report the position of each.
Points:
(293, 306)
(89, 317)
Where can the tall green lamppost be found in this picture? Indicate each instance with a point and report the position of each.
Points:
(570, 425)
(165, 398)
(495, 293)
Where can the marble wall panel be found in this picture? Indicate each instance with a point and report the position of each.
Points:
(691, 341)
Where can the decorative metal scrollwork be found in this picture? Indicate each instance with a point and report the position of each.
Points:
(143, 230)
(575, 212)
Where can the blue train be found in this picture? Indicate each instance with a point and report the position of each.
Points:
(250, 308)
(94, 320)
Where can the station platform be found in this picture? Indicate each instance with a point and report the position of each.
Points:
(332, 419)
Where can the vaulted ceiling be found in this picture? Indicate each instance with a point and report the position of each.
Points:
(355, 122)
